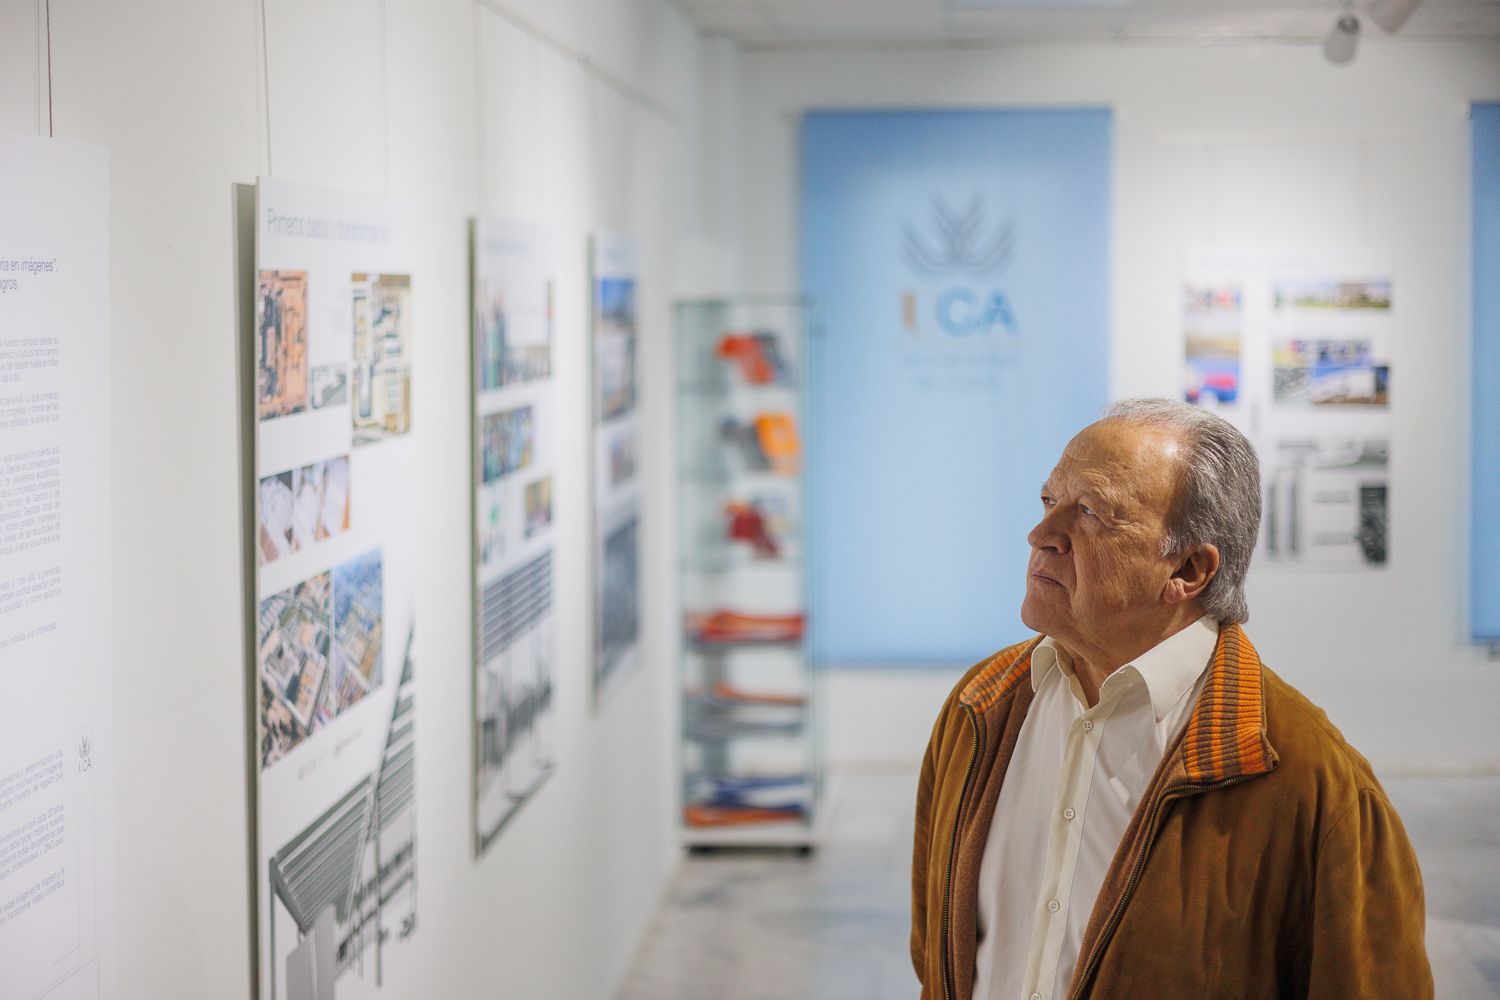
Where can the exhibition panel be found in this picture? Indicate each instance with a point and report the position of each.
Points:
(616, 449)
(57, 663)
(752, 737)
(961, 260)
(335, 592)
(1295, 348)
(1484, 565)
(516, 449)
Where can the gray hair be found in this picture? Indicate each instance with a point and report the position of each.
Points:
(1218, 500)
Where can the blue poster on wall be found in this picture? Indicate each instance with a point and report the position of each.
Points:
(960, 260)
(1485, 600)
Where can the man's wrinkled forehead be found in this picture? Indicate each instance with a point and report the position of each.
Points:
(1128, 463)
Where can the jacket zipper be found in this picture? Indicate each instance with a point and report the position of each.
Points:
(963, 794)
(1135, 874)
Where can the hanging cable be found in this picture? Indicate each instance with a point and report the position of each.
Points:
(49, 70)
(385, 91)
(640, 97)
(481, 141)
(265, 79)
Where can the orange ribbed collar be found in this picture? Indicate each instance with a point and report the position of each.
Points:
(1225, 737)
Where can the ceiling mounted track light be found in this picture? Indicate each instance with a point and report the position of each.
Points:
(1343, 40)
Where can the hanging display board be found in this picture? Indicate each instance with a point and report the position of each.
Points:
(617, 490)
(515, 442)
(960, 262)
(336, 493)
(1484, 558)
(1295, 348)
(56, 755)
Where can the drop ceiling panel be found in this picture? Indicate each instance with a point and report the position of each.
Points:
(813, 24)
(1036, 25)
(761, 23)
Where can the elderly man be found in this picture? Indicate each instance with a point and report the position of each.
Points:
(1132, 806)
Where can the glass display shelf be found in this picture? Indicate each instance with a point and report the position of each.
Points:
(751, 744)
(727, 387)
(728, 476)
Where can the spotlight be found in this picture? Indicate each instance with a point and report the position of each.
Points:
(1390, 15)
(1342, 40)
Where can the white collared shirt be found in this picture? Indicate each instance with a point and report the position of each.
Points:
(1073, 783)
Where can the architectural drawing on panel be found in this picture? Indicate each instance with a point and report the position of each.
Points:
(344, 890)
(358, 632)
(1327, 501)
(330, 386)
(1211, 343)
(1329, 372)
(615, 347)
(299, 508)
(511, 349)
(382, 360)
(294, 643)
(619, 615)
(514, 752)
(281, 343)
(507, 442)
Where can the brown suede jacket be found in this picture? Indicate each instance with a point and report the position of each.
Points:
(1264, 860)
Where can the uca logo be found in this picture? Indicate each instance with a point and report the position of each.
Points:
(958, 243)
(956, 264)
(85, 754)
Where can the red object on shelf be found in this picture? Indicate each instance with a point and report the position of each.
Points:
(746, 524)
(731, 626)
(748, 350)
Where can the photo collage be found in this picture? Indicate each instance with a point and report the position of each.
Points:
(1296, 351)
(306, 680)
(319, 646)
(302, 507)
(514, 427)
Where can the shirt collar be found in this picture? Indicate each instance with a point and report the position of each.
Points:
(1169, 669)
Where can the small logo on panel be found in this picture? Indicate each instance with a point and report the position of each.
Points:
(85, 754)
(955, 260)
(960, 242)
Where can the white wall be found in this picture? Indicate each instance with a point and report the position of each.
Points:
(1258, 146)
(449, 108)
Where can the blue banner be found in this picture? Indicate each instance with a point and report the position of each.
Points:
(1485, 597)
(960, 260)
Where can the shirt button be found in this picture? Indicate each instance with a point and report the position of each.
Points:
(1053, 905)
(1088, 725)
(1068, 814)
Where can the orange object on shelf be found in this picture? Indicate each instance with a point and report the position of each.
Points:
(746, 349)
(731, 693)
(731, 626)
(777, 434)
(701, 816)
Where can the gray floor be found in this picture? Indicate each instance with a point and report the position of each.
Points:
(833, 926)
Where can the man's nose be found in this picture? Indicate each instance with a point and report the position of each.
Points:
(1046, 534)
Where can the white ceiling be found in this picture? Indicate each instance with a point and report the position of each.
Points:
(759, 24)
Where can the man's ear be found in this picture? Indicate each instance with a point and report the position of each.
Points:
(1196, 568)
